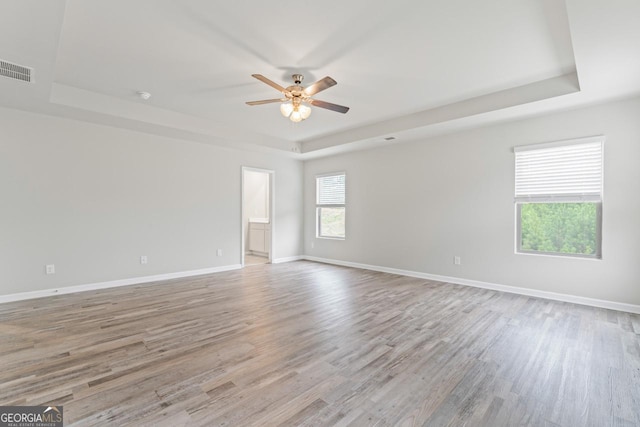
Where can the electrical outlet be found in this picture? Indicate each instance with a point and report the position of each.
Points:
(219, 252)
(456, 260)
(144, 259)
(313, 245)
(50, 269)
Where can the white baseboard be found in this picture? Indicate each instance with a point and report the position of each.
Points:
(287, 259)
(114, 283)
(611, 305)
(257, 253)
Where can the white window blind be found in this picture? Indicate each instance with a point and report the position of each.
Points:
(563, 171)
(331, 190)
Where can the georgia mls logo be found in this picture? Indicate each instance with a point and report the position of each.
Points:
(31, 416)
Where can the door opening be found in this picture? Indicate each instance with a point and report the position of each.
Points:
(257, 216)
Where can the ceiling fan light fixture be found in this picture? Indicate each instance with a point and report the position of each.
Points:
(296, 116)
(286, 109)
(292, 104)
(305, 111)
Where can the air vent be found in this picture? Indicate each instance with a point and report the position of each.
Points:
(14, 71)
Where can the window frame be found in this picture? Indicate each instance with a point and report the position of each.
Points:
(320, 206)
(562, 198)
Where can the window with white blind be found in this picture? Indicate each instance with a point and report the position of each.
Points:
(330, 206)
(558, 196)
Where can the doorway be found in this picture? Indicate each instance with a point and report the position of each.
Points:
(257, 216)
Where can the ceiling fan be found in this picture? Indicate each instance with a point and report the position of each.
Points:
(295, 97)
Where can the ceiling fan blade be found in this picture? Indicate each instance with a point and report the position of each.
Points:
(329, 106)
(274, 85)
(320, 85)
(265, 101)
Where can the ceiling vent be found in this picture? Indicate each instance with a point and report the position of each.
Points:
(15, 71)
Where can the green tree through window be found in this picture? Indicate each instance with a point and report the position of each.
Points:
(565, 228)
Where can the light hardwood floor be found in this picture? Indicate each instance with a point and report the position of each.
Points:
(255, 259)
(313, 344)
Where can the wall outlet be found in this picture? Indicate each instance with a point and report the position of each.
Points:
(313, 245)
(456, 260)
(219, 252)
(143, 259)
(50, 269)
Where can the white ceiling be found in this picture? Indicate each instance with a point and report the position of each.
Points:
(407, 68)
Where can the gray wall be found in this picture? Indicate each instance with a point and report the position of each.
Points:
(92, 199)
(414, 206)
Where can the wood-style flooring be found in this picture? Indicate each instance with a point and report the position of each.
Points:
(255, 259)
(304, 343)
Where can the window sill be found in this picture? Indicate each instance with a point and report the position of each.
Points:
(557, 255)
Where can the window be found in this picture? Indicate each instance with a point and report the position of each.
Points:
(330, 206)
(558, 198)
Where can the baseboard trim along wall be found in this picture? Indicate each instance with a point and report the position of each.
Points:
(611, 305)
(114, 283)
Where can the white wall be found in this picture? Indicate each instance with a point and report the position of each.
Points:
(414, 206)
(92, 199)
